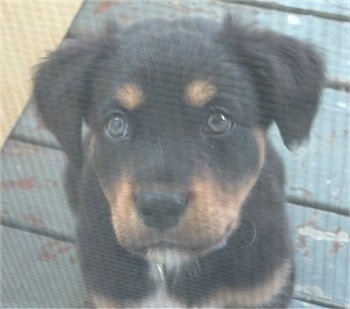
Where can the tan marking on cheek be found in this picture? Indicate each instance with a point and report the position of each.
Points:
(199, 92)
(127, 225)
(130, 96)
(255, 296)
(261, 141)
(216, 209)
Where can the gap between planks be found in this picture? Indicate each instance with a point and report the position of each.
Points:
(290, 9)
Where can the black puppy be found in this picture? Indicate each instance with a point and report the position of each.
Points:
(180, 193)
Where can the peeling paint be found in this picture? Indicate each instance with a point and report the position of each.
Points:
(34, 220)
(341, 105)
(53, 249)
(302, 245)
(293, 20)
(104, 6)
(25, 183)
(306, 194)
(317, 234)
(336, 246)
(308, 289)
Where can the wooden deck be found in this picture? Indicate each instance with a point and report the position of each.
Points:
(39, 266)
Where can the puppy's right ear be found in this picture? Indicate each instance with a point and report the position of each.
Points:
(62, 91)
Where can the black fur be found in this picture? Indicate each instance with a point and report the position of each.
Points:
(261, 77)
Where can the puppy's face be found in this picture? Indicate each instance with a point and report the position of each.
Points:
(178, 112)
(177, 145)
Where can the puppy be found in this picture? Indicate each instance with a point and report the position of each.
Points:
(180, 193)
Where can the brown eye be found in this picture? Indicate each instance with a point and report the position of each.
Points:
(117, 126)
(219, 122)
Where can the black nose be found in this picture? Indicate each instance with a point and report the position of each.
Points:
(161, 210)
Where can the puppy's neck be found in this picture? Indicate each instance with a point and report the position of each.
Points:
(173, 271)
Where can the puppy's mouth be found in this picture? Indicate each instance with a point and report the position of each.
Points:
(169, 246)
(155, 223)
(161, 251)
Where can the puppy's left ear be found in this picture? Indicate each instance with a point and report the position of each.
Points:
(288, 76)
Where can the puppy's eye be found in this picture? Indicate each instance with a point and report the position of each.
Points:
(117, 126)
(219, 122)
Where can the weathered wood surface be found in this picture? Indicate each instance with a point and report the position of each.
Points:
(32, 189)
(336, 9)
(322, 242)
(39, 272)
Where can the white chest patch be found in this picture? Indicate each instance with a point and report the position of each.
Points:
(160, 298)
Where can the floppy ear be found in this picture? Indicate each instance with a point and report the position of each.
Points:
(62, 88)
(288, 76)
(61, 91)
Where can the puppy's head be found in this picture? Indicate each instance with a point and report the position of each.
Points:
(178, 112)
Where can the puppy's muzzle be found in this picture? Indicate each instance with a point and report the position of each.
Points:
(161, 210)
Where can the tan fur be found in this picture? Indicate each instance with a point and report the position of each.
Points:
(199, 92)
(130, 96)
(102, 302)
(255, 296)
(127, 225)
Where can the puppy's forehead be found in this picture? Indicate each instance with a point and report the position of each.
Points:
(172, 65)
(196, 93)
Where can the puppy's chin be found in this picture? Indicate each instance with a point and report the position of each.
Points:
(179, 255)
(168, 256)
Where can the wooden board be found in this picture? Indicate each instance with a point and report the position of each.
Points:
(29, 28)
(322, 242)
(31, 129)
(301, 304)
(39, 272)
(32, 189)
(338, 7)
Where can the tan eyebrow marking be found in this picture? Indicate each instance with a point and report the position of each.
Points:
(199, 92)
(130, 95)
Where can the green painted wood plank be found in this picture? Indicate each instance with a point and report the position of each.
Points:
(31, 129)
(331, 8)
(39, 272)
(322, 242)
(301, 304)
(331, 36)
(31, 188)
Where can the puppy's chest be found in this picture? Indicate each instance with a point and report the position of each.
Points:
(160, 297)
